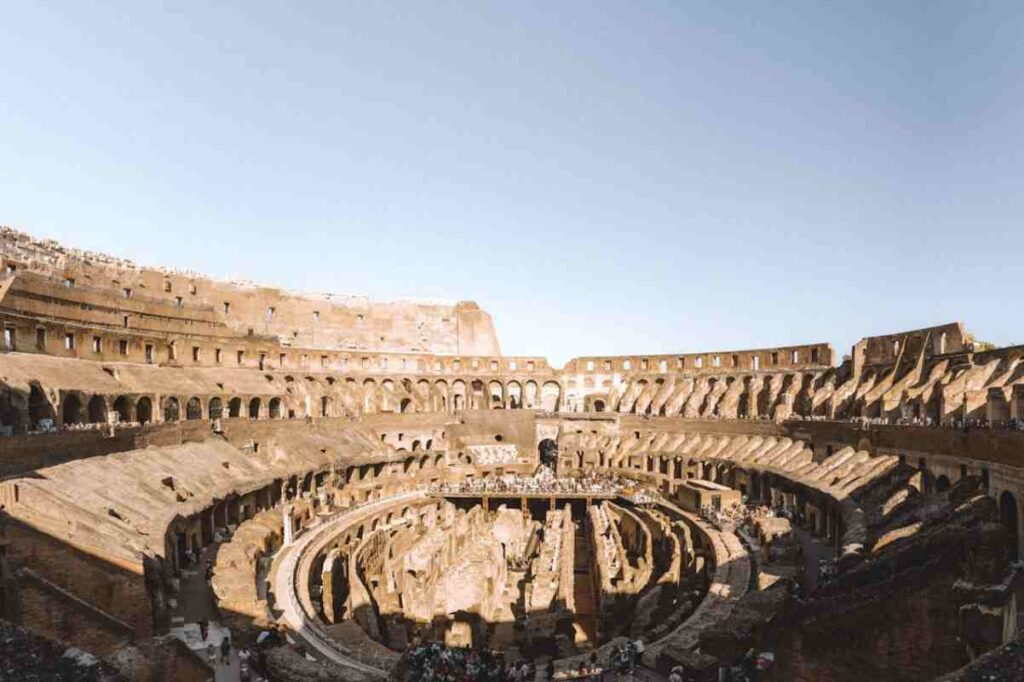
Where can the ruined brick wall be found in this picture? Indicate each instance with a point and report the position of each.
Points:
(75, 597)
(21, 454)
(905, 636)
(897, 616)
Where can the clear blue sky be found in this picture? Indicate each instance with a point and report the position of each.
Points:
(603, 178)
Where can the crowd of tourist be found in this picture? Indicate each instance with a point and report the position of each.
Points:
(737, 515)
(957, 423)
(435, 662)
(544, 482)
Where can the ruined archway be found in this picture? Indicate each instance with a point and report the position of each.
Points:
(235, 407)
(547, 453)
(72, 409)
(193, 409)
(172, 410)
(144, 410)
(123, 407)
(254, 408)
(274, 407)
(39, 408)
(550, 394)
(215, 409)
(97, 410)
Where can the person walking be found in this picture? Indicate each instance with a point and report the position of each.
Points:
(225, 650)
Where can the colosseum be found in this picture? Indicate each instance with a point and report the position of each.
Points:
(205, 479)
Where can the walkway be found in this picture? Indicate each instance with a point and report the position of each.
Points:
(287, 579)
(196, 602)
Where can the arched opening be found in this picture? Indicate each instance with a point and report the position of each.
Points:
(39, 408)
(942, 484)
(547, 451)
(494, 389)
(97, 410)
(325, 406)
(1008, 515)
(215, 409)
(72, 409)
(235, 407)
(459, 395)
(9, 416)
(172, 410)
(144, 410)
(476, 396)
(369, 393)
(598, 406)
(274, 406)
(441, 387)
(123, 407)
(254, 408)
(515, 395)
(550, 393)
(405, 406)
(193, 409)
(530, 395)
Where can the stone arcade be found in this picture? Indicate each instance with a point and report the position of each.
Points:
(365, 476)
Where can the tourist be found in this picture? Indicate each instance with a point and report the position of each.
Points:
(204, 628)
(225, 650)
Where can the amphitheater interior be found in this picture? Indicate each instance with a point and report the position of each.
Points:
(334, 482)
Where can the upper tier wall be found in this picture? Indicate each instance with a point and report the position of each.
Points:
(318, 321)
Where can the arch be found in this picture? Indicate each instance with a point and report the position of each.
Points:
(550, 393)
(495, 392)
(942, 484)
(547, 452)
(9, 415)
(123, 407)
(39, 407)
(441, 386)
(1009, 516)
(235, 407)
(405, 406)
(325, 406)
(144, 410)
(171, 409)
(193, 409)
(254, 408)
(97, 410)
(72, 409)
(215, 408)
(530, 395)
(598, 406)
(477, 401)
(369, 393)
(274, 407)
(515, 395)
(459, 395)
